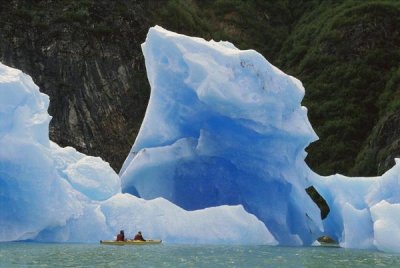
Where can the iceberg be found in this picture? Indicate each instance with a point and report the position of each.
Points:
(54, 194)
(223, 127)
(364, 212)
(219, 159)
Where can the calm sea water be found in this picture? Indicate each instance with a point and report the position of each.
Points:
(20, 254)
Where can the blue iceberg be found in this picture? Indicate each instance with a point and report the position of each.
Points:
(223, 127)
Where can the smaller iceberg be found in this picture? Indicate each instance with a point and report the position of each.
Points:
(364, 212)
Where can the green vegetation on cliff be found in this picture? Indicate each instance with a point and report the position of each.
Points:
(347, 56)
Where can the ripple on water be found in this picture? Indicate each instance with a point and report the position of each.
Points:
(170, 255)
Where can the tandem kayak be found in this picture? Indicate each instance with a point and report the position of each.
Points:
(130, 242)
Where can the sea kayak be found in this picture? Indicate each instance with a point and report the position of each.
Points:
(330, 245)
(130, 242)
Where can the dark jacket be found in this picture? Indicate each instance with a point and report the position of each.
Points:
(139, 237)
(120, 237)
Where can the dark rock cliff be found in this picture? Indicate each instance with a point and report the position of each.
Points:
(86, 56)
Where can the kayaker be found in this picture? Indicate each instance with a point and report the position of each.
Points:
(121, 236)
(139, 236)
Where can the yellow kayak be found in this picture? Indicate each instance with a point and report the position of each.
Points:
(130, 242)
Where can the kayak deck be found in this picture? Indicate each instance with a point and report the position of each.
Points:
(130, 242)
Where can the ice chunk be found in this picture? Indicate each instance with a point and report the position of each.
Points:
(363, 211)
(160, 219)
(216, 225)
(89, 175)
(23, 113)
(31, 196)
(386, 226)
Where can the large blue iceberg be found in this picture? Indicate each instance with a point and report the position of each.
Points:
(223, 127)
(219, 159)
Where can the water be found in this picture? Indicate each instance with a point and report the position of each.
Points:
(169, 255)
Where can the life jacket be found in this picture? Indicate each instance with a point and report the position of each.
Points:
(138, 237)
(120, 237)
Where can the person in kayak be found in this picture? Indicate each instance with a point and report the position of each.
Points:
(139, 236)
(121, 236)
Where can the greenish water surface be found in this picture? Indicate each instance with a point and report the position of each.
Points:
(19, 254)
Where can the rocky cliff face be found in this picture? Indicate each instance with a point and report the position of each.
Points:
(381, 148)
(86, 56)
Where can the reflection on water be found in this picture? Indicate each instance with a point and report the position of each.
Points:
(172, 255)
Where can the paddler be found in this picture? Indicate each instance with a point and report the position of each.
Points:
(121, 236)
(139, 236)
